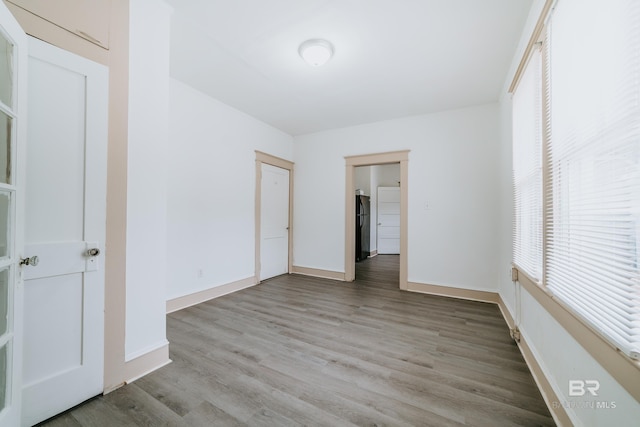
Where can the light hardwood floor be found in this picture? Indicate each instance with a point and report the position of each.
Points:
(299, 350)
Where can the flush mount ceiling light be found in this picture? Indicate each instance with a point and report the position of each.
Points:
(316, 52)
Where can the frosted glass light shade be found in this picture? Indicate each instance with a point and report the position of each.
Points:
(316, 52)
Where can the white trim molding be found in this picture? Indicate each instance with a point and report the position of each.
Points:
(460, 293)
(315, 272)
(147, 363)
(185, 301)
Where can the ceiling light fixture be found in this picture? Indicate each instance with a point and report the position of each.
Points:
(316, 52)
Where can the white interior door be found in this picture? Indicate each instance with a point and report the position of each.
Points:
(13, 62)
(65, 229)
(274, 222)
(388, 220)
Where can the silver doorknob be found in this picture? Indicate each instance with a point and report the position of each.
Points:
(93, 252)
(34, 260)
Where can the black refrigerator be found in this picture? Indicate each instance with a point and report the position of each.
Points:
(363, 233)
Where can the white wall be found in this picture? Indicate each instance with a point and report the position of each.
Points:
(387, 175)
(147, 178)
(211, 190)
(560, 356)
(453, 194)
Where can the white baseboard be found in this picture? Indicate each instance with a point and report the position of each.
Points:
(179, 303)
(147, 363)
(558, 412)
(315, 272)
(447, 291)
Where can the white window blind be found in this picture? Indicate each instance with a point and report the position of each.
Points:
(593, 183)
(527, 169)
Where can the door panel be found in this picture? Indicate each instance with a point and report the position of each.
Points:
(389, 220)
(58, 332)
(65, 205)
(57, 151)
(274, 222)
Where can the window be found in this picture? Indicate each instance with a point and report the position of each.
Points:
(591, 163)
(527, 170)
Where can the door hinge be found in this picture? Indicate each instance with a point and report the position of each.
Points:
(514, 274)
(515, 334)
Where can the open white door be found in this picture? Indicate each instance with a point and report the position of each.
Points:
(65, 229)
(274, 222)
(13, 62)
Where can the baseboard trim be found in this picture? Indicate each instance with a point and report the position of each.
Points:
(373, 253)
(147, 363)
(315, 272)
(506, 313)
(558, 412)
(179, 303)
(446, 291)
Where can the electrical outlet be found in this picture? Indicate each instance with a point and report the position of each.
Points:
(199, 273)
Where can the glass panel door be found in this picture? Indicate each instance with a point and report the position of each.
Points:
(6, 141)
(13, 44)
(6, 71)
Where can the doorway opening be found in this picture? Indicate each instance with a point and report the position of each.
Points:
(356, 178)
(377, 223)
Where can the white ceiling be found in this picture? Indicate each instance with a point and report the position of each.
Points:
(393, 58)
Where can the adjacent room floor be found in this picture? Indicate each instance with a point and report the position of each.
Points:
(299, 350)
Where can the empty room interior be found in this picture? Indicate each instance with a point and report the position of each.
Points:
(320, 212)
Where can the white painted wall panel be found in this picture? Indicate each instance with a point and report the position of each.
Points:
(147, 176)
(363, 179)
(388, 175)
(211, 190)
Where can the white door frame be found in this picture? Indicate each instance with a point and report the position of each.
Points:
(352, 162)
(284, 164)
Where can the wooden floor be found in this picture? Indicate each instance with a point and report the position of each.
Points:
(299, 350)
